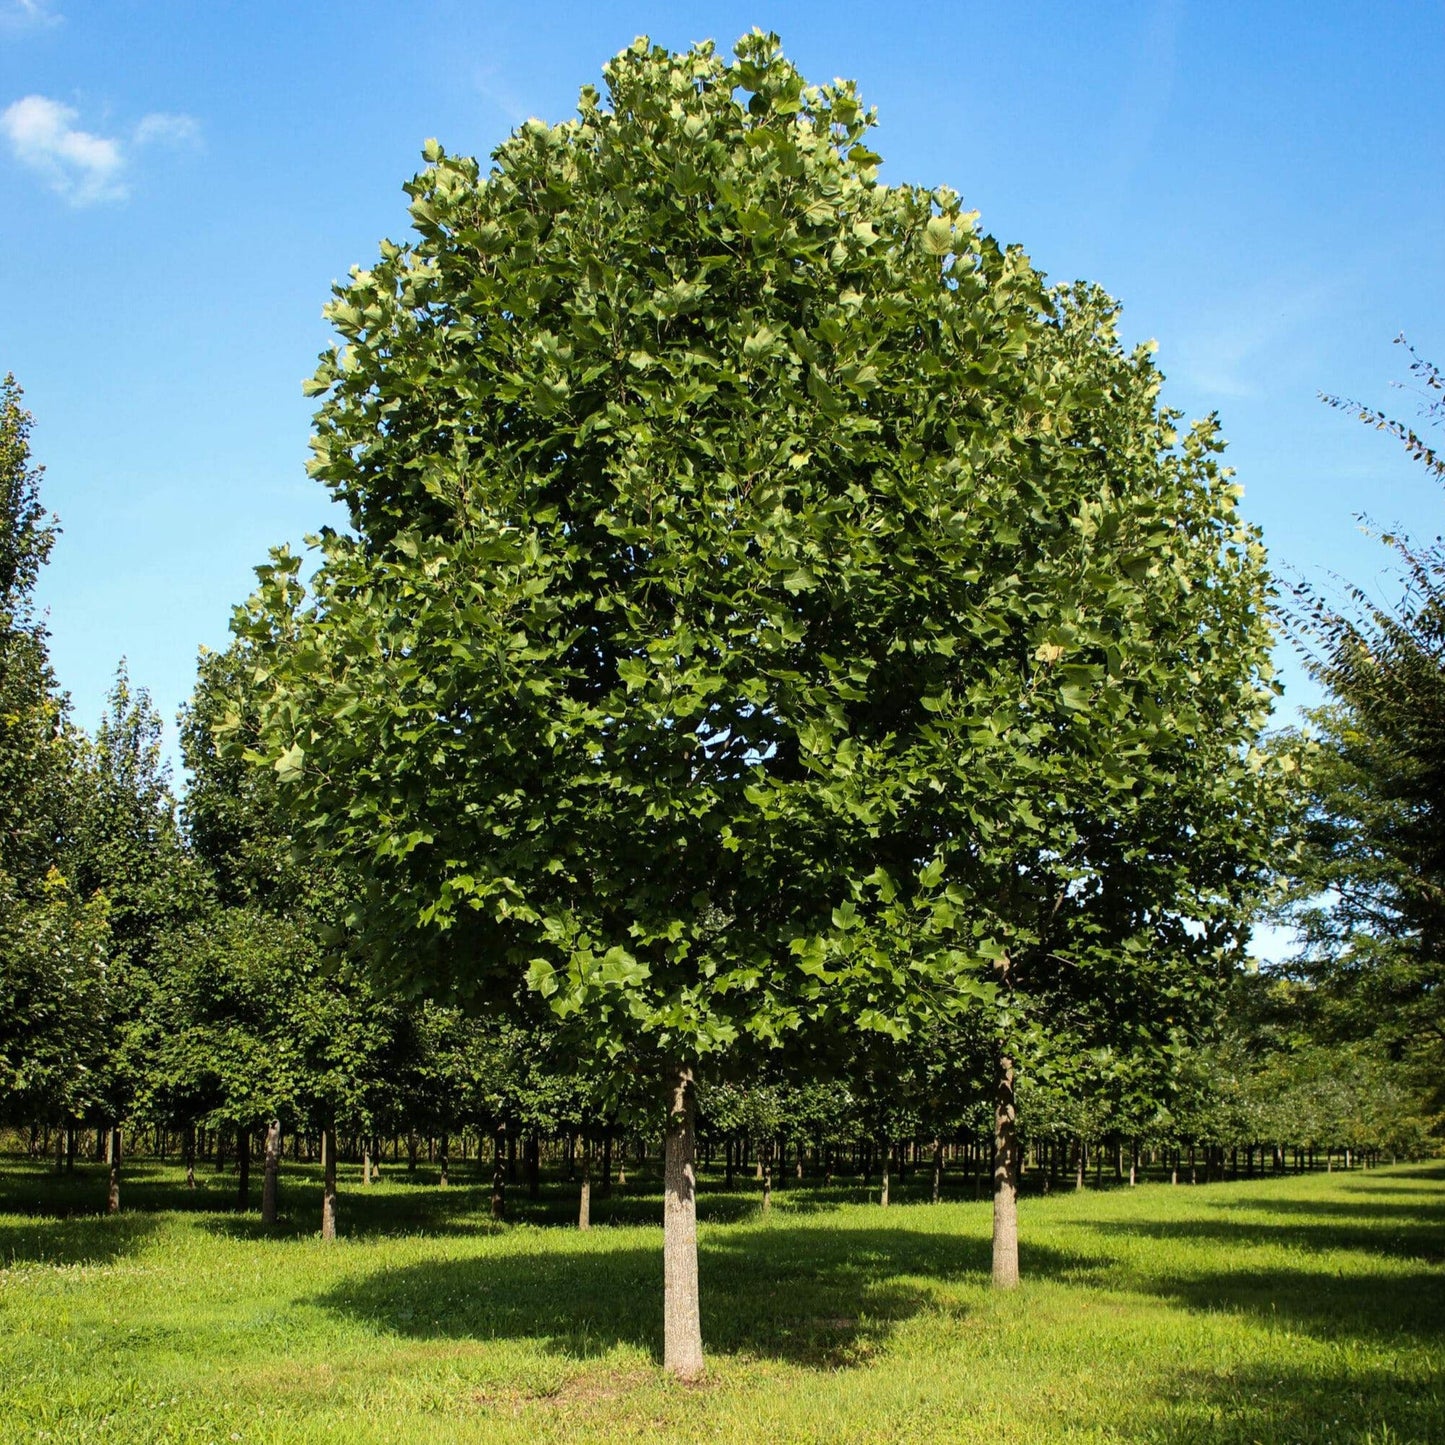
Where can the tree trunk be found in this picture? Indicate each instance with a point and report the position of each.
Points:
(584, 1208)
(765, 1164)
(534, 1167)
(443, 1150)
(72, 1142)
(190, 1148)
(681, 1314)
(1005, 1200)
(499, 1174)
(885, 1156)
(273, 1169)
(112, 1201)
(1081, 1162)
(243, 1171)
(606, 1190)
(938, 1168)
(366, 1163)
(328, 1182)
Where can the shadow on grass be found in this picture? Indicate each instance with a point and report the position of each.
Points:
(1247, 1405)
(93, 1239)
(813, 1296)
(1408, 1238)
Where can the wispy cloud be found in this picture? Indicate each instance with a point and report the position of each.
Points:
(19, 15)
(82, 167)
(1235, 348)
(498, 94)
(159, 128)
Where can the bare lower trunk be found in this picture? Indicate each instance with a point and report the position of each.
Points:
(273, 1168)
(765, 1163)
(937, 1168)
(366, 1163)
(884, 1153)
(442, 1161)
(584, 1208)
(112, 1200)
(190, 1156)
(606, 1189)
(1005, 1199)
(534, 1167)
(243, 1171)
(681, 1315)
(328, 1182)
(499, 1174)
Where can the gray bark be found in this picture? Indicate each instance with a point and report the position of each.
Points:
(681, 1313)
(328, 1185)
(272, 1172)
(1005, 1195)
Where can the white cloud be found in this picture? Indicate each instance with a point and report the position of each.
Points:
(81, 167)
(160, 128)
(28, 15)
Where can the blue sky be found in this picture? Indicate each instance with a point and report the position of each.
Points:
(1260, 184)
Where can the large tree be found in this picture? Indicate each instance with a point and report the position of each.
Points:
(766, 606)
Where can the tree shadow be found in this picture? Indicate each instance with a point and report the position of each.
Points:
(81, 1239)
(1250, 1404)
(1396, 1238)
(1327, 1304)
(824, 1298)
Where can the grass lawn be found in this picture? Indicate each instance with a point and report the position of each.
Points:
(1293, 1309)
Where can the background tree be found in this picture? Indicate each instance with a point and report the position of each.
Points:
(1368, 892)
(53, 931)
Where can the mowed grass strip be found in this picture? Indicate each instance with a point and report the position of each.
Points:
(1290, 1309)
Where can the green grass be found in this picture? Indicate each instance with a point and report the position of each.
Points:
(1296, 1309)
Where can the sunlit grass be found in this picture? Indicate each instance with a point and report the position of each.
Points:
(1296, 1309)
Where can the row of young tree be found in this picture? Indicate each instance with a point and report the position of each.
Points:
(782, 651)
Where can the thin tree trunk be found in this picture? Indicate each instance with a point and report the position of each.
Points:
(1081, 1162)
(681, 1314)
(499, 1174)
(443, 1160)
(765, 1164)
(190, 1156)
(1005, 1199)
(328, 1183)
(72, 1142)
(112, 1200)
(584, 1208)
(606, 1190)
(273, 1169)
(243, 1172)
(885, 1155)
(366, 1164)
(938, 1168)
(534, 1167)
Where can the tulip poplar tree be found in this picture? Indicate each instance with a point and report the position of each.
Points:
(766, 608)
